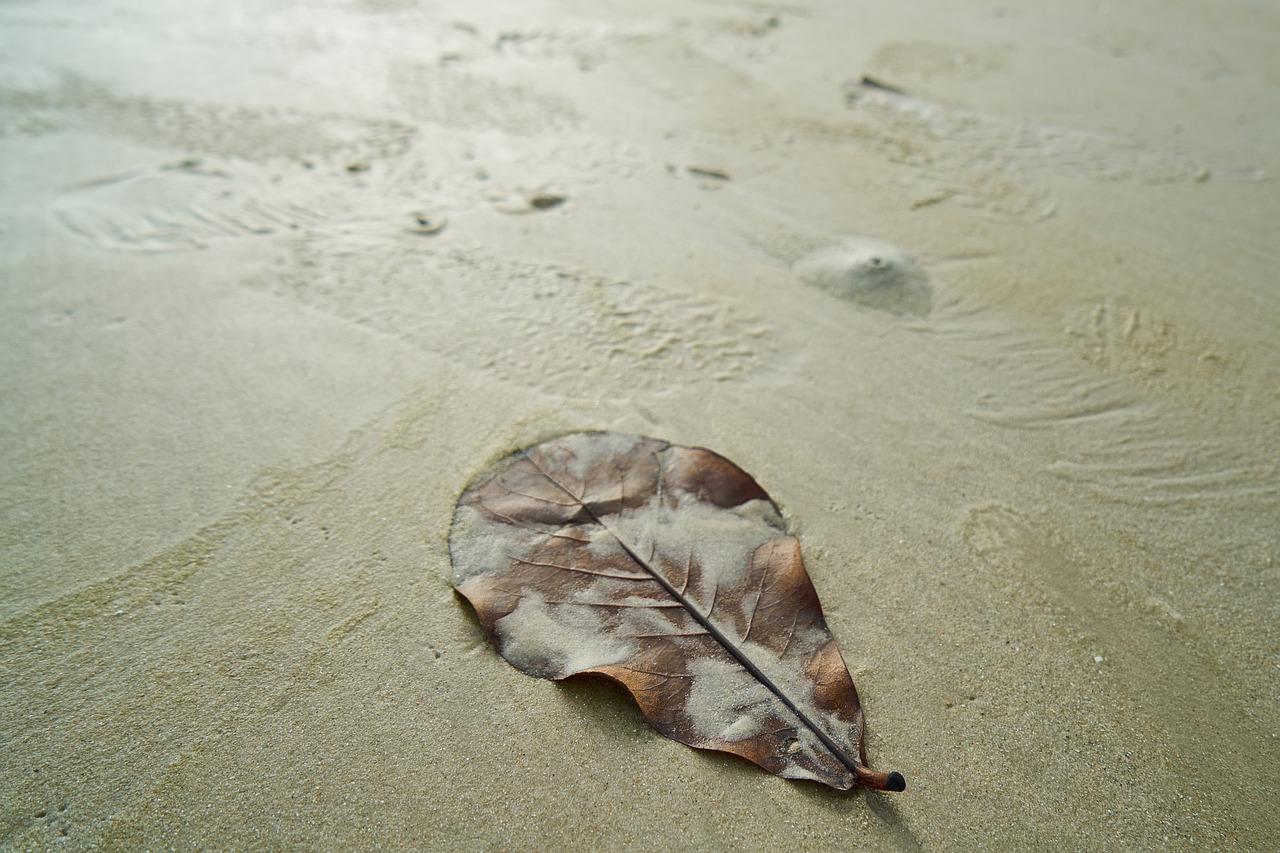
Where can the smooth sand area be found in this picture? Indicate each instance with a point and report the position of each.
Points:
(984, 294)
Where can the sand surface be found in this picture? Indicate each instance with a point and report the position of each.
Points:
(984, 294)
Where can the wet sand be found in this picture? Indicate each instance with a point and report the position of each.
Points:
(984, 297)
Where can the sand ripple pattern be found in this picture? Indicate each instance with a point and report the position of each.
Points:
(997, 165)
(199, 128)
(472, 102)
(558, 328)
(1106, 432)
(183, 206)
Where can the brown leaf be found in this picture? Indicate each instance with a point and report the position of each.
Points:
(669, 570)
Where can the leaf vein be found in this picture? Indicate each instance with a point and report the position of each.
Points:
(644, 578)
(728, 645)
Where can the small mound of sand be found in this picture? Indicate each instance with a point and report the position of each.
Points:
(871, 274)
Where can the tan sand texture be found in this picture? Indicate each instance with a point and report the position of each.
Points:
(983, 295)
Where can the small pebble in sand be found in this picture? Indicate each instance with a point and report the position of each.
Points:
(425, 223)
(708, 172)
(527, 203)
(871, 274)
(545, 201)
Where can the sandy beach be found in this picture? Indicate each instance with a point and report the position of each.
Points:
(984, 295)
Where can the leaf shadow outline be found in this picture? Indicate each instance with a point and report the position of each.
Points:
(881, 804)
(607, 707)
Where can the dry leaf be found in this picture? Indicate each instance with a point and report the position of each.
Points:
(669, 570)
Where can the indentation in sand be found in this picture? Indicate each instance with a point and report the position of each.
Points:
(998, 165)
(925, 60)
(475, 102)
(250, 133)
(559, 328)
(185, 205)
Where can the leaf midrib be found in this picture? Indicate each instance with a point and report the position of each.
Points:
(715, 632)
